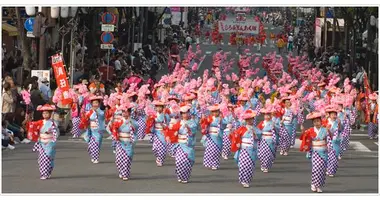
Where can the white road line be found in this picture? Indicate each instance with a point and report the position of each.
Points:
(255, 45)
(271, 28)
(201, 61)
(258, 54)
(358, 146)
(359, 135)
(376, 143)
(264, 45)
(265, 28)
(208, 52)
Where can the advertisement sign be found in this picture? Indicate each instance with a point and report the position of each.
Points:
(250, 27)
(43, 75)
(61, 77)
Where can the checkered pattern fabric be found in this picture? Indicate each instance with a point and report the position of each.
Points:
(332, 162)
(93, 149)
(284, 139)
(171, 148)
(142, 126)
(123, 161)
(318, 171)
(345, 137)
(266, 155)
(183, 165)
(372, 129)
(75, 130)
(226, 150)
(212, 153)
(159, 149)
(246, 167)
(45, 163)
(293, 136)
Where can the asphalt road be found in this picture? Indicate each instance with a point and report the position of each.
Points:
(74, 173)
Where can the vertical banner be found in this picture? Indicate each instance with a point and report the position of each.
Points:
(61, 78)
(367, 91)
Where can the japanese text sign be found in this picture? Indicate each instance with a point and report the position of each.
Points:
(61, 77)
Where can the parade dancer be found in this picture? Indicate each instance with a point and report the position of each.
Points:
(266, 150)
(182, 134)
(229, 122)
(334, 128)
(349, 120)
(44, 133)
(173, 119)
(212, 138)
(124, 132)
(287, 126)
(156, 124)
(244, 143)
(314, 142)
(75, 117)
(93, 124)
(373, 111)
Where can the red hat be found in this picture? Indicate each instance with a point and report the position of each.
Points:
(173, 97)
(46, 107)
(313, 115)
(94, 97)
(158, 103)
(249, 114)
(214, 107)
(188, 97)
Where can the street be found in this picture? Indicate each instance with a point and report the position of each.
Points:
(74, 172)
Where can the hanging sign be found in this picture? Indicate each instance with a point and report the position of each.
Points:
(61, 78)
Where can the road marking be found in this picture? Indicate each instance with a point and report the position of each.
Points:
(358, 146)
(254, 44)
(265, 28)
(359, 135)
(229, 43)
(264, 45)
(208, 52)
(199, 66)
(271, 28)
(258, 54)
(376, 143)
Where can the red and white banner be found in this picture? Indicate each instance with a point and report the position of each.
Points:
(61, 78)
(250, 27)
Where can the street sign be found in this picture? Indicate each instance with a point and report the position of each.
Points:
(108, 27)
(30, 34)
(107, 37)
(28, 25)
(108, 18)
(106, 46)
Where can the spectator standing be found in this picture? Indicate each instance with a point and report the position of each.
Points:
(36, 98)
(8, 101)
(189, 40)
(45, 90)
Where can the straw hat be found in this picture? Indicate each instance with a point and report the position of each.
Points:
(249, 114)
(46, 107)
(313, 115)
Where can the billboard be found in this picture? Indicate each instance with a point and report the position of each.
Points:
(230, 26)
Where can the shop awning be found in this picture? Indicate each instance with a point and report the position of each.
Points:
(12, 31)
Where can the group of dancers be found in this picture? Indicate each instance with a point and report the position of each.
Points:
(224, 109)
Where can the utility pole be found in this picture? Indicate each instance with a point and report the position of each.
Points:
(334, 27)
(141, 24)
(42, 51)
(325, 27)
